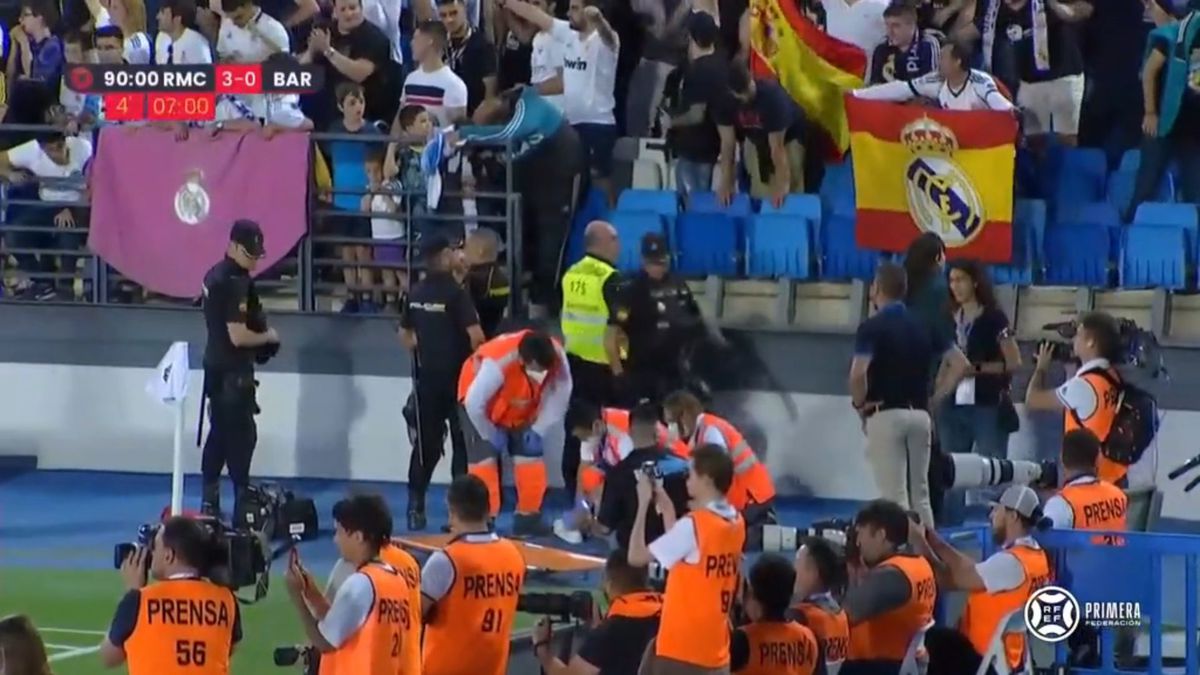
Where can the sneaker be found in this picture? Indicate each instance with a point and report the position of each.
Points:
(530, 525)
(566, 533)
(416, 520)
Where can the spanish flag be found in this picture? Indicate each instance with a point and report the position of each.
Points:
(813, 67)
(920, 169)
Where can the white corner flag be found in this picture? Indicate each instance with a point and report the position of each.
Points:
(170, 381)
(169, 385)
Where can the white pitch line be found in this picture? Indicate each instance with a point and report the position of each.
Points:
(81, 651)
(72, 631)
(61, 648)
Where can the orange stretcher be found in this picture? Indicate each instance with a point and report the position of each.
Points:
(538, 558)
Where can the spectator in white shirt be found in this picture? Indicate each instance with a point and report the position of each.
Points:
(58, 162)
(73, 102)
(546, 60)
(590, 49)
(130, 17)
(176, 43)
(955, 86)
(432, 83)
(247, 35)
(385, 15)
(859, 22)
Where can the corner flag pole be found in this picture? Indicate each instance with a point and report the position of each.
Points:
(169, 386)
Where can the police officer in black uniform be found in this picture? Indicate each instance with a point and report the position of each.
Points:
(660, 319)
(238, 337)
(440, 325)
(485, 279)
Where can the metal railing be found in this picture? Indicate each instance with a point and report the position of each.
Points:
(43, 260)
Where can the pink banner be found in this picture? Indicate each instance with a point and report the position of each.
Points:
(162, 209)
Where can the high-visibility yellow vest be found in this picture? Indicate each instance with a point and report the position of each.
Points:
(585, 312)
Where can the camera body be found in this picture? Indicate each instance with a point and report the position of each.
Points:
(1136, 346)
(306, 655)
(784, 539)
(579, 605)
(238, 558)
(651, 469)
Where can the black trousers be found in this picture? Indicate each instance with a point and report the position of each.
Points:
(232, 433)
(435, 398)
(593, 383)
(652, 380)
(550, 180)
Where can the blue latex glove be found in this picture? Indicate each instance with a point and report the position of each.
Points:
(499, 441)
(531, 443)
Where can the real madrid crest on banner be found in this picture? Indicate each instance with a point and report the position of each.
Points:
(941, 197)
(191, 200)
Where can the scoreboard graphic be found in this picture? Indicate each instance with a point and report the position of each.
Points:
(175, 93)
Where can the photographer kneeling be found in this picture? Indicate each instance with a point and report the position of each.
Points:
(614, 646)
(619, 501)
(183, 620)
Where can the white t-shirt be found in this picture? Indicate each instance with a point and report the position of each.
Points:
(385, 15)
(30, 157)
(589, 75)
(1002, 571)
(350, 609)
(389, 227)
(190, 49)
(439, 91)
(978, 92)
(860, 23)
(680, 544)
(546, 61)
(240, 45)
(137, 46)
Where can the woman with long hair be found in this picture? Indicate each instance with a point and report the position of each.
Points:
(22, 651)
(980, 416)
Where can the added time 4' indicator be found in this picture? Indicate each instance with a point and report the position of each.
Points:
(194, 107)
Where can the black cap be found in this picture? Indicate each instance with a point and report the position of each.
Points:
(654, 246)
(434, 244)
(247, 234)
(702, 28)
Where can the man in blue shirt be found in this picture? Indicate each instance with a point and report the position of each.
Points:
(548, 162)
(889, 387)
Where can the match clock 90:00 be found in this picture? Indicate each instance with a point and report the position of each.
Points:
(194, 107)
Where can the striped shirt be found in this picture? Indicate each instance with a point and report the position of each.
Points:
(440, 91)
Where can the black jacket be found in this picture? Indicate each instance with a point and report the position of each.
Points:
(618, 507)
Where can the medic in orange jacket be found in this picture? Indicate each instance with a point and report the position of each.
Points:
(514, 390)
(687, 420)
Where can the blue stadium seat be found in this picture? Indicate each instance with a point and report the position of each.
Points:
(779, 245)
(1089, 213)
(1158, 213)
(1130, 161)
(1120, 189)
(740, 208)
(706, 243)
(1030, 214)
(1153, 256)
(805, 206)
(631, 227)
(837, 188)
(841, 258)
(1082, 175)
(594, 207)
(1077, 255)
(663, 202)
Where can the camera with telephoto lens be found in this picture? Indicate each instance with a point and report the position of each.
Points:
(1136, 346)
(566, 606)
(306, 655)
(236, 559)
(784, 539)
(964, 470)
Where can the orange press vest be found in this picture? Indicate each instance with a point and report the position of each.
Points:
(408, 569)
(184, 627)
(1100, 423)
(831, 628)
(780, 648)
(637, 605)
(610, 452)
(516, 404)
(751, 480)
(471, 626)
(1097, 506)
(886, 637)
(984, 611)
(695, 618)
(378, 647)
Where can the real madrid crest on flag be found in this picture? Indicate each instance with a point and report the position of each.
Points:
(192, 202)
(941, 197)
(942, 171)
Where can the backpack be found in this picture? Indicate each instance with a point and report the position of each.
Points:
(1134, 425)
